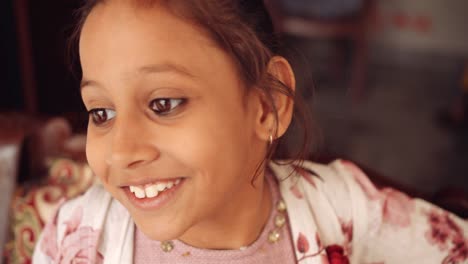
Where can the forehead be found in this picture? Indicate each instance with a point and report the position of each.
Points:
(121, 37)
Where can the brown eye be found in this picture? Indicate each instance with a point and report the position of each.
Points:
(100, 115)
(164, 106)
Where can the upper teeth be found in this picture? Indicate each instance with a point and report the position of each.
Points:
(152, 190)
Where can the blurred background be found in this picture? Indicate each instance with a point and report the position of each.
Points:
(387, 83)
(385, 80)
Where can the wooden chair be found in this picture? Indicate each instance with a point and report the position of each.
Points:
(354, 28)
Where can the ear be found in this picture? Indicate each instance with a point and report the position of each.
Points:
(280, 69)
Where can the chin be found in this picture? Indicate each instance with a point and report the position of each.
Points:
(160, 232)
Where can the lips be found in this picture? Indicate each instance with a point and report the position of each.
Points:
(153, 195)
(152, 189)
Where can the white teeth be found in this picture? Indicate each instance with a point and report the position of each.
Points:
(160, 186)
(139, 192)
(152, 190)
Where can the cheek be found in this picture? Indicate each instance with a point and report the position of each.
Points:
(95, 155)
(195, 146)
(212, 144)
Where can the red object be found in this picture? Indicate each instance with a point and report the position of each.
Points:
(336, 255)
(302, 243)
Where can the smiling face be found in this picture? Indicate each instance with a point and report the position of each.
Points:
(167, 104)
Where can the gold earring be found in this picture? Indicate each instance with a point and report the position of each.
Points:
(270, 139)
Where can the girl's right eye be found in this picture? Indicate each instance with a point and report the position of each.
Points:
(99, 116)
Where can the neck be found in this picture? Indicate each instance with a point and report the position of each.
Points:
(238, 225)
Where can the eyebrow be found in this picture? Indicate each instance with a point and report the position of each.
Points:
(151, 69)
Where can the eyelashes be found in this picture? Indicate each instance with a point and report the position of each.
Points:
(162, 107)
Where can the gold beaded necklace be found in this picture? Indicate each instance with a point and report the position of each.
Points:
(273, 236)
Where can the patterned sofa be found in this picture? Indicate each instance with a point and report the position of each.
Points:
(43, 164)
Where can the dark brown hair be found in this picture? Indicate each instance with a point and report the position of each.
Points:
(243, 28)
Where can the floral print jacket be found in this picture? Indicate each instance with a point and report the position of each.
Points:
(336, 216)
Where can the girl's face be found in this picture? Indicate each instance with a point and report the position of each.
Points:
(169, 115)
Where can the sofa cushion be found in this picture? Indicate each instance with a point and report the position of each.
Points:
(32, 206)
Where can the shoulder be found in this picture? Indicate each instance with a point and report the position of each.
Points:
(76, 219)
(339, 175)
(338, 190)
(370, 224)
(341, 185)
(319, 195)
(320, 187)
(89, 206)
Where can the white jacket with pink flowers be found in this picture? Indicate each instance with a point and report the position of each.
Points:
(336, 216)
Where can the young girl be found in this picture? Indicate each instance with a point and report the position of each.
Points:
(187, 100)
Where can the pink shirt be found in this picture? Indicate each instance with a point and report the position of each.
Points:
(261, 251)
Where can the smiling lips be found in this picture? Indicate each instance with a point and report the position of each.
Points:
(152, 190)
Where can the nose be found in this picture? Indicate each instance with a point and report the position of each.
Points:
(132, 145)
